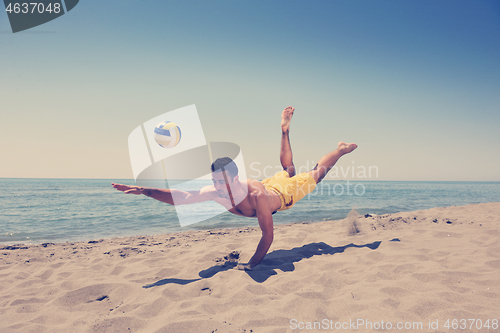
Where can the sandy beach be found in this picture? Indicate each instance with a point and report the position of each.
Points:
(416, 271)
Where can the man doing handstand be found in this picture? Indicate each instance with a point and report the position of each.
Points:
(253, 198)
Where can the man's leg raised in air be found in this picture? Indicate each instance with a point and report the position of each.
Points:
(286, 157)
(328, 161)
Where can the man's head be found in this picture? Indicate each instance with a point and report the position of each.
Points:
(224, 169)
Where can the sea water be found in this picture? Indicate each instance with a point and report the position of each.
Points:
(34, 211)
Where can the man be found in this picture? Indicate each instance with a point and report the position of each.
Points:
(252, 198)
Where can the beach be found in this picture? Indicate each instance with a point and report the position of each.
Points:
(410, 271)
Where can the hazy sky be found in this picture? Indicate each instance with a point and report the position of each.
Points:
(416, 84)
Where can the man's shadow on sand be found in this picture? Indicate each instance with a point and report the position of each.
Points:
(280, 259)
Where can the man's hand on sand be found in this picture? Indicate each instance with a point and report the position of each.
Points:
(128, 189)
(244, 267)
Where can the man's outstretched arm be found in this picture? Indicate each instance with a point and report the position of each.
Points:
(167, 196)
(265, 218)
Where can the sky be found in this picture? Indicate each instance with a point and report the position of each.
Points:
(414, 83)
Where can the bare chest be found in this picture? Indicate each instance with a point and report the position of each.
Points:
(244, 208)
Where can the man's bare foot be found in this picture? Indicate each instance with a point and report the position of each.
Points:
(286, 118)
(346, 148)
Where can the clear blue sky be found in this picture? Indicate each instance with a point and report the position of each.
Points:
(416, 84)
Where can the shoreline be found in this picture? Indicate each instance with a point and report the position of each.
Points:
(169, 236)
(17, 244)
(55, 212)
(421, 266)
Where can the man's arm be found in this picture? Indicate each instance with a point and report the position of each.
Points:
(167, 196)
(265, 218)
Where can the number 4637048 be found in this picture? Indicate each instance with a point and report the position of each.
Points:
(472, 323)
(33, 7)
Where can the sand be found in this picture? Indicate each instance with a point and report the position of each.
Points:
(407, 269)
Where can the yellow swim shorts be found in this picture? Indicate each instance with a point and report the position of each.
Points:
(290, 190)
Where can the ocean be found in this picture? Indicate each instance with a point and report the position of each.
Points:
(34, 211)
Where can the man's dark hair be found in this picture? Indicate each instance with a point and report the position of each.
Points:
(226, 163)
